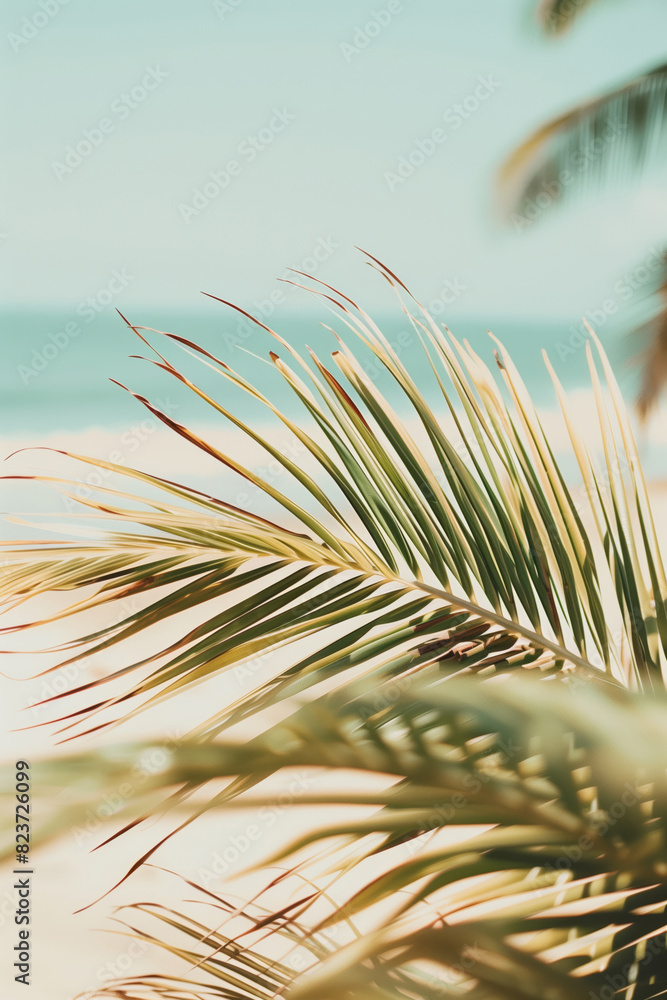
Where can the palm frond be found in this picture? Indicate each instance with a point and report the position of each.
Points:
(425, 542)
(442, 533)
(559, 891)
(601, 141)
(651, 335)
(558, 16)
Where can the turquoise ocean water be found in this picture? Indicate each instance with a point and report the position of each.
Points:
(57, 363)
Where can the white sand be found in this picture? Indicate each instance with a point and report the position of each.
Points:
(69, 956)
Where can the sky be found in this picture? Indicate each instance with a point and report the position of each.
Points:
(164, 148)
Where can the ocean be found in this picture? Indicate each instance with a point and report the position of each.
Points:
(57, 393)
(57, 363)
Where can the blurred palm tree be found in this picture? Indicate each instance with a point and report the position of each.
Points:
(447, 621)
(557, 16)
(606, 139)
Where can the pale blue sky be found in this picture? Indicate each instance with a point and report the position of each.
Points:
(322, 178)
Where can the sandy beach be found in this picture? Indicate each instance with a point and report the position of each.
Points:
(67, 876)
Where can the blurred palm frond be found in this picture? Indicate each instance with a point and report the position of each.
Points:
(558, 16)
(557, 888)
(604, 140)
(649, 344)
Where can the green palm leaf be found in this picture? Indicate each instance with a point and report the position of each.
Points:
(451, 536)
(565, 785)
(428, 541)
(599, 141)
(557, 16)
(649, 340)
